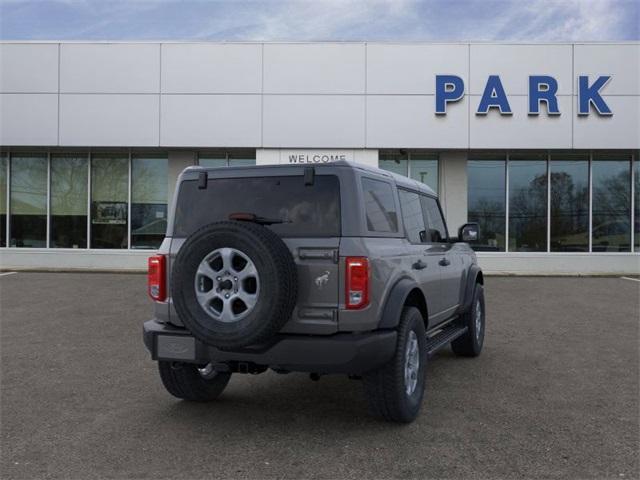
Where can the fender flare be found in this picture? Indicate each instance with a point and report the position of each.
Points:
(472, 277)
(395, 301)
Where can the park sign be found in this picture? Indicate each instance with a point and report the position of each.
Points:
(542, 89)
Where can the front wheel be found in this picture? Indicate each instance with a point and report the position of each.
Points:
(470, 344)
(395, 391)
(190, 382)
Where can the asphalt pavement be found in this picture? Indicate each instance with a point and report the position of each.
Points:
(555, 394)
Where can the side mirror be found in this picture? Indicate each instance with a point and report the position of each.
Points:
(469, 232)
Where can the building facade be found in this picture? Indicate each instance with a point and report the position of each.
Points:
(538, 143)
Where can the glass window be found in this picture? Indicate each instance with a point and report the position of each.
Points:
(486, 200)
(569, 203)
(149, 193)
(424, 168)
(434, 220)
(3, 199)
(394, 161)
(28, 201)
(611, 181)
(380, 208)
(528, 203)
(109, 194)
(412, 216)
(242, 158)
(305, 210)
(69, 178)
(213, 160)
(636, 189)
(234, 158)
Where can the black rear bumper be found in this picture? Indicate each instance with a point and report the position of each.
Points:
(349, 353)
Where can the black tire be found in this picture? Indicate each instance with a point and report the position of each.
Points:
(470, 344)
(385, 388)
(278, 287)
(183, 380)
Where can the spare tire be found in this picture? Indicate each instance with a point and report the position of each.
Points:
(234, 284)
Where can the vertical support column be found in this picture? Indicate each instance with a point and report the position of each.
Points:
(267, 156)
(129, 204)
(453, 188)
(366, 156)
(48, 229)
(178, 161)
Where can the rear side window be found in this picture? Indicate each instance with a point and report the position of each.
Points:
(305, 210)
(380, 208)
(412, 216)
(437, 231)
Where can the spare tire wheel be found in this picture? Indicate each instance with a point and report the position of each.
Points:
(234, 284)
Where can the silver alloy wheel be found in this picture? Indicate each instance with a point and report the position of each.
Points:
(207, 372)
(227, 285)
(411, 363)
(478, 319)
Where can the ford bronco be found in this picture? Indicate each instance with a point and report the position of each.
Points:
(330, 268)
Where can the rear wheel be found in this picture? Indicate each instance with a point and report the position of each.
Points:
(470, 344)
(395, 391)
(191, 382)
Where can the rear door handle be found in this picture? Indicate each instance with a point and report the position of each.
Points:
(419, 265)
(444, 262)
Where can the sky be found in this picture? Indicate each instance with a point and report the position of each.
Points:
(321, 20)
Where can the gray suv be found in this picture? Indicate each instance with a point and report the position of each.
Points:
(330, 268)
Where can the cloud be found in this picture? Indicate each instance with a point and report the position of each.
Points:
(331, 20)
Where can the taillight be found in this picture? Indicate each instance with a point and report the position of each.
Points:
(156, 278)
(357, 282)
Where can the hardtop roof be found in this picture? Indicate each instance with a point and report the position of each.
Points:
(400, 180)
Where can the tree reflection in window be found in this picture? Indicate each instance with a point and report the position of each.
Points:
(487, 201)
(527, 204)
(569, 203)
(611, 231)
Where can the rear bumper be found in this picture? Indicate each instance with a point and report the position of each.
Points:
(339, 353)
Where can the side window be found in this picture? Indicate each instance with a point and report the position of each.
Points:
(437, 231)
(380, 209)
(412, 216)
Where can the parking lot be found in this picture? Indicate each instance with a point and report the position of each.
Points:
(554, 394)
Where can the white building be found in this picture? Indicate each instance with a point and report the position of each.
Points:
(539, 143)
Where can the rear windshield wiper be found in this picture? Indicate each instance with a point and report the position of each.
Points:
(252, 217)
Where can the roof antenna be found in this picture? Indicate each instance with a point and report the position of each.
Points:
(309, 175)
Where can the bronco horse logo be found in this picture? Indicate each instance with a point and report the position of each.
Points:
(322, 280)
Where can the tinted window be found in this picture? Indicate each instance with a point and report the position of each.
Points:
(611, 204)
(380, 208)
(486, 198)
(306, 210)
(569, 203)
(437, 231)
(3, 200)
(69, 201)
(528, 204)
(109, 196)
(636, 176)
(28, 201)
(148, 201)
(412, 216)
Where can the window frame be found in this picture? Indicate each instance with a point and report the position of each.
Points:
(408, 156)
(444, 220)
(633, 159)
(226, 155)
(424, 220)
(396, 201)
